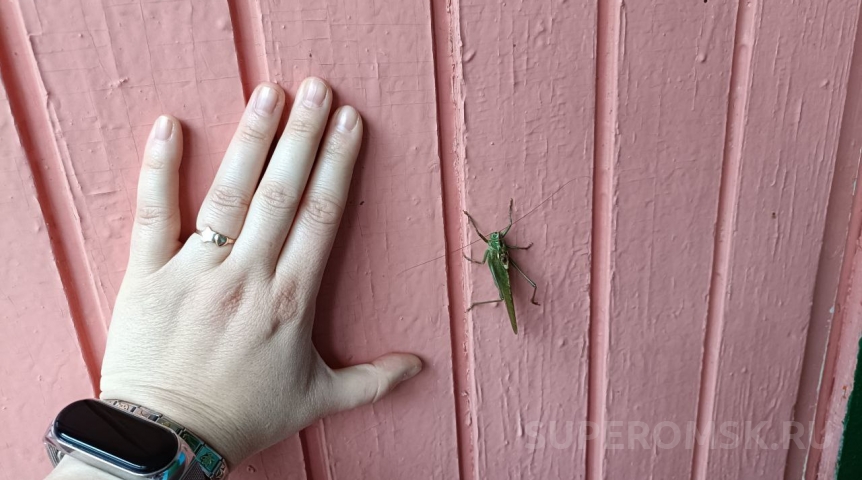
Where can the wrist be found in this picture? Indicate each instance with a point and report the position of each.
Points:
(72, 469)
(208, 425)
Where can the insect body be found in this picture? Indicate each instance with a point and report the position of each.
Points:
(497, 258)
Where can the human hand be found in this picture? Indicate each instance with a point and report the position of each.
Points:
(219, 338)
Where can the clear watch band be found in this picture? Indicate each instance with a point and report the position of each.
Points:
(195, 471)
(208, 464)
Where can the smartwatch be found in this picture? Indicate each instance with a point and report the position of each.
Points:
(131, 442)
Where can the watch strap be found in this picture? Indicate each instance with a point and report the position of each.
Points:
(208, 464)
(196, 472)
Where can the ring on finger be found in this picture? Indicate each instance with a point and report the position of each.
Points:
(209, 235)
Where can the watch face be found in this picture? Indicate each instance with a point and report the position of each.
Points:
(116, 437)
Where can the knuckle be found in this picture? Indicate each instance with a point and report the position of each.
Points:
(277, 199)
(229, 303)
(339, 150)
(302, 128)
(254, 134)
(225, 198)
(322, 209)
(376, 387)
(156, 159)
(288, 297)
(153, 215)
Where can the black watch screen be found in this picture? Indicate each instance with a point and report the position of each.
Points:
(116, 437)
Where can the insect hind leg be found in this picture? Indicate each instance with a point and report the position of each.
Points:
(531, 282)
(474, 304)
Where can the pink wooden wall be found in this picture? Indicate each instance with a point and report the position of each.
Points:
(686, 170)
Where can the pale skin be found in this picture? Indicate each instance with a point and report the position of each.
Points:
(219, 338)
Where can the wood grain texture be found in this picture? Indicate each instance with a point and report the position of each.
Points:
(528, 82)
(787, 156)
(823, 463)
(41, 368)
(840, 363)
(671, 94)
(843, 223)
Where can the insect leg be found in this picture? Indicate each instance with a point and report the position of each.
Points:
(506, 230)
(476, 261)
(532, 283)
(473, 222)
(483, 303)
(515, 247)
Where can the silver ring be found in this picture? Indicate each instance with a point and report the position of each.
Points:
(208, 235)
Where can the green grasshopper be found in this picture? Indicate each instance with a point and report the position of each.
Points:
(497, 258)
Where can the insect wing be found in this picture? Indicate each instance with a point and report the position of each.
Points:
(501, 279)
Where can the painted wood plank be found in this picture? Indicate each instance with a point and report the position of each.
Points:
(840, 383)
(800, 57)
(671, 95)
(828, 311)
(840, 364)
(378, 56)
(527, 91)
(40, 362)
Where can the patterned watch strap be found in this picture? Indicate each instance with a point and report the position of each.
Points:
(212, 465)
(196, 472)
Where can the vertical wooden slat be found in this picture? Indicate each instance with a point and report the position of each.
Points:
(40, 362)
(800, 56)
(839, 381)
(378, 56)
(450, 120)
(839, 365)
(828, 310)
(528, 100)
(671, 95)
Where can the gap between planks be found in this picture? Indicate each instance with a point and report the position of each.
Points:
(249, 43)
(446, 41)
(608, 31)
(740, 81)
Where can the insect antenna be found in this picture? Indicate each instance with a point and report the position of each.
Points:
(548, 198)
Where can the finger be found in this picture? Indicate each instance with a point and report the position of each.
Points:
(155, 234)
(363, 384)
(316, 224)
(225, 206)
(278, 195)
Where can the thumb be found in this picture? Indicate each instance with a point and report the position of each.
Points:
(369, 382)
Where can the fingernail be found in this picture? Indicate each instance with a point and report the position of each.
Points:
(164, 127)
(347, 119)
(315, 93)
(412, 372)
(265, 102)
